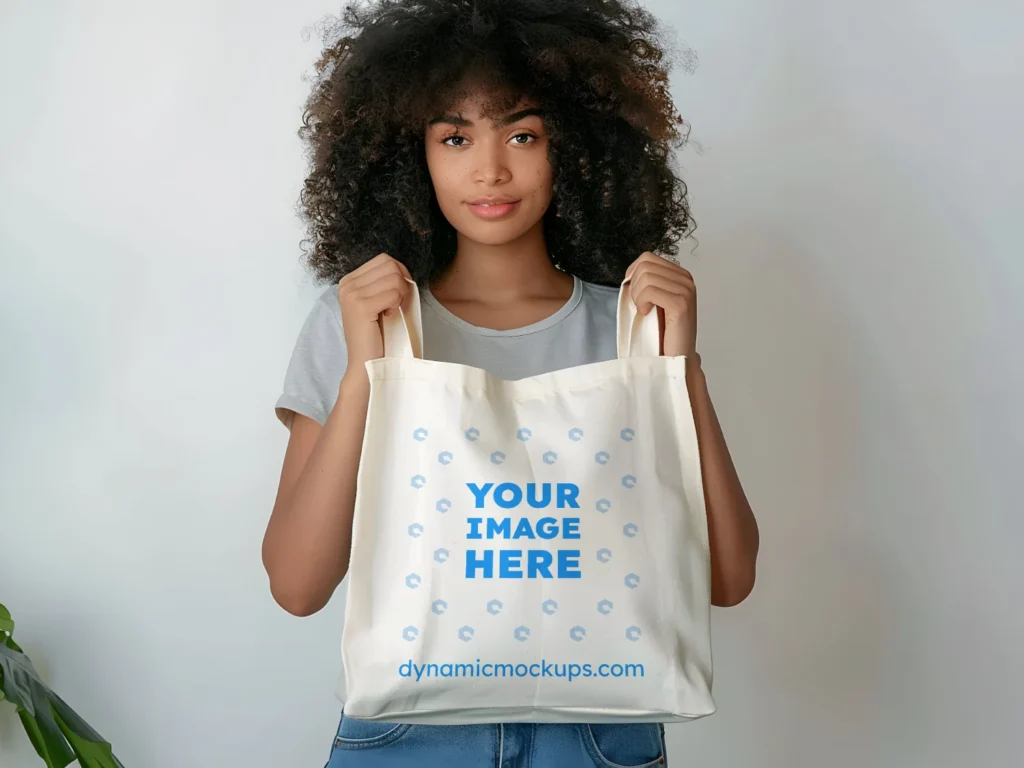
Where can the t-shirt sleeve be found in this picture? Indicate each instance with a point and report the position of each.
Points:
(317, 363)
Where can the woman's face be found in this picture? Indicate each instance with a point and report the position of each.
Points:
(472, 159)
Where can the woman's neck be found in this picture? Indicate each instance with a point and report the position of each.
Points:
(501, 274)
(510, 285)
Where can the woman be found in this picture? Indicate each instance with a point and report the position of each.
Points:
(512, 158)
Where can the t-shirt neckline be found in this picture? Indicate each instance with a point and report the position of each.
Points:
(450, 317)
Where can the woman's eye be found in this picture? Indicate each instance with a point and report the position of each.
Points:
(463, 138)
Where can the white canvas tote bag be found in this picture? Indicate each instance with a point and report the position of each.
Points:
(532, 550)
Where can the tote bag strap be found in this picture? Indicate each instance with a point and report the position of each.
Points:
(403, 331)
(638, 335)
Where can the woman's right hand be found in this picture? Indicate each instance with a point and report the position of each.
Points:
(377, 287)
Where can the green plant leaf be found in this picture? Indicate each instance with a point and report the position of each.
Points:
(58, 734)
(40, 742)
(92, 752)
(6, 622)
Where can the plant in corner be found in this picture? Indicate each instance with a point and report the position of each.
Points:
(58, 734)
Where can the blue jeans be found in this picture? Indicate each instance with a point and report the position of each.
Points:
(379, 744)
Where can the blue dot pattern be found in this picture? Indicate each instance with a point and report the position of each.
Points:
(494, 607)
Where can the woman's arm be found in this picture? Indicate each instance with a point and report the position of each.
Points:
(731, 525)
(308, 539)
(732, 530)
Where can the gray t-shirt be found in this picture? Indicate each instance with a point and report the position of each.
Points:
(581, 332)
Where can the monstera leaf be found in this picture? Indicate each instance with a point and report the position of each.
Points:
(58, 734)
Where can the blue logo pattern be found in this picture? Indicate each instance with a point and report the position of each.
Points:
(494, 607)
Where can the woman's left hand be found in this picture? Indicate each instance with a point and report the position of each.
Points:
(657, 282)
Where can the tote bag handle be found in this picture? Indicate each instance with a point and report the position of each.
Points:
(638, 335)
(403, 331)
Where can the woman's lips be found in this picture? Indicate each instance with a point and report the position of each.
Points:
(496, 211)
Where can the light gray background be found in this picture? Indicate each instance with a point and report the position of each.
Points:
(858, 192)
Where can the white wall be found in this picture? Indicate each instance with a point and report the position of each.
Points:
(858, 198)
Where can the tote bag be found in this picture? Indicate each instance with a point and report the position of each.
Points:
(533, 550)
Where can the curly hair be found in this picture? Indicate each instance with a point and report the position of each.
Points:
(595, 67)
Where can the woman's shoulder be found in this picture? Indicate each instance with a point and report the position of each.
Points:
(601, 292)
(600, 299)
(318, 361)
(328, 297)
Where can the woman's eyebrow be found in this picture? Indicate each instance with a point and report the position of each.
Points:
(462, 122)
